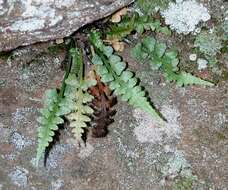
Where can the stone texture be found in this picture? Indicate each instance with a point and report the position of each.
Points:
(23, 22)
(190, 152)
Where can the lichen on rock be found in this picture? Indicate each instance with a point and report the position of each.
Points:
(149, 131)
(184, 16)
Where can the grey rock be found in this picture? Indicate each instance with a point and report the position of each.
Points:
(24, 22)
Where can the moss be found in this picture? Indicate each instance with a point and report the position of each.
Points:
(220, 136)
(183, 184)
(225, 75)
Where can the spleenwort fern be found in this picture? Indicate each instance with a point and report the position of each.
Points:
(73, 100)
(77, 89)
(55, 107)
(160, 57)
(70, 101)
(113, 71)
(136, 23)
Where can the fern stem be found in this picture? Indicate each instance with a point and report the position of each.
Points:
(81, 66)
(67, 72)
(105, 60)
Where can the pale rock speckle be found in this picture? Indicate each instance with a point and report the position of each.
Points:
(220, 120)
(65, 3)
(192, 57)
(27, 25)
(57, 185)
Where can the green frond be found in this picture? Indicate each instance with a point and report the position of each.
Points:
(136, 23)
(160, 57)
(77, 87)
(122, 81)
(152, 6)
(79, 116)
(50, 118)
(69, 101)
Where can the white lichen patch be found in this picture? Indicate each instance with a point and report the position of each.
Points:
(36, 15)
(21, 116)
(202, 63)
(19, 141)
(177, 165)
(19, 177)
(149, 131)
(184, 16)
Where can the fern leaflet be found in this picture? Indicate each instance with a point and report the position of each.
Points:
(136, 23)
(55, 107)
(77, 90)
(160, 57)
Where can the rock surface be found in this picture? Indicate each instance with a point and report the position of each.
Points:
(189, 153)
(24, 22)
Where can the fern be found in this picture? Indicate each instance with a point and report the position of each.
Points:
(136, 23)
(55, 107)
(113, 71)
(77, 90)
(160, 57)
(71, 101)
(79, 117)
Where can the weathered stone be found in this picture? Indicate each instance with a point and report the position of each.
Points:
(23, 22)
